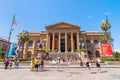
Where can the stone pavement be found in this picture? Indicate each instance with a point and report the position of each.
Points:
(66, 72)
(62, 74)
(27, 66)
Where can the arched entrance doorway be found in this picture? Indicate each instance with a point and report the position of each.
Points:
(90, 54)
(97, 54)
(29, 54)
(62, 45)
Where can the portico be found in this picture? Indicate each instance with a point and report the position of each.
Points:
(63, 37)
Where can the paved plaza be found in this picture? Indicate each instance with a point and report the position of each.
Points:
(62, 74)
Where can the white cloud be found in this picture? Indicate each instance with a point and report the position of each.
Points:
(106, 13)
(89, 17)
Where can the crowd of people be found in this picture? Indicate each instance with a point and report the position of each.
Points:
(9, 63)
(37, 64)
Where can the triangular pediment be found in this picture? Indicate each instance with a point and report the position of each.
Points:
(62, 25)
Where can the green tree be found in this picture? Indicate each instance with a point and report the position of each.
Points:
(2, 53)
(106, 36)
(105, 26)
(117, 54)
(23, 37)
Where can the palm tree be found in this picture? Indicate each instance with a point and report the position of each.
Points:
(23, 37)
(105, 26)
(106, 36)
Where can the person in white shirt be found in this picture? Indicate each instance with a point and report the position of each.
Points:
(98, 64)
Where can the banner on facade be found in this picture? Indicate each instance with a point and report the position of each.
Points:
(106, 49)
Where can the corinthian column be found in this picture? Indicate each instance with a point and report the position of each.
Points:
(59, 42)
(66, 42)
(71, 41)
(78, 41)
(47, 41)
(34, 48)
(25, 50)
(53, 42)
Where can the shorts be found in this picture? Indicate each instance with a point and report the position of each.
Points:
(39, 65)
(36, 65)
(87, 64)
(97, 65)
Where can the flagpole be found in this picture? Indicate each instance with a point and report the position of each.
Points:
(13, 22)
(9, 40)
(10, 33)
(11, 29)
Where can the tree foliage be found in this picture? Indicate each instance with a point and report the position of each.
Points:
(116, 54)
(106, 36)
(2, 52)
(105, 25)
(23, 37)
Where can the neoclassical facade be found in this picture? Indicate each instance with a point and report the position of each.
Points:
(4, 44)
(63, 37)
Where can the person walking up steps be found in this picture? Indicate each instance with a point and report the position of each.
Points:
(98, 64)
(88, 65)
(36, 64)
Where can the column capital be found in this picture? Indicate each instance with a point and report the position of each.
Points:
(71, 32)
(77, 32)
(47, 32)
(53, 32)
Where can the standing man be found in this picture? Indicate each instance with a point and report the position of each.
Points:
(36, 61)
(42, 65)
(6, 62)
(17, 63)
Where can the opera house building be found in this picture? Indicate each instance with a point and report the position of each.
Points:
(63, 38)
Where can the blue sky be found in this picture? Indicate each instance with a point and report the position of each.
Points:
(33, 15)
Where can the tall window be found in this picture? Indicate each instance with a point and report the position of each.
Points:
(82, 44)
(96, 43)
(30, 43)
(88, 43)
(38, 43)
